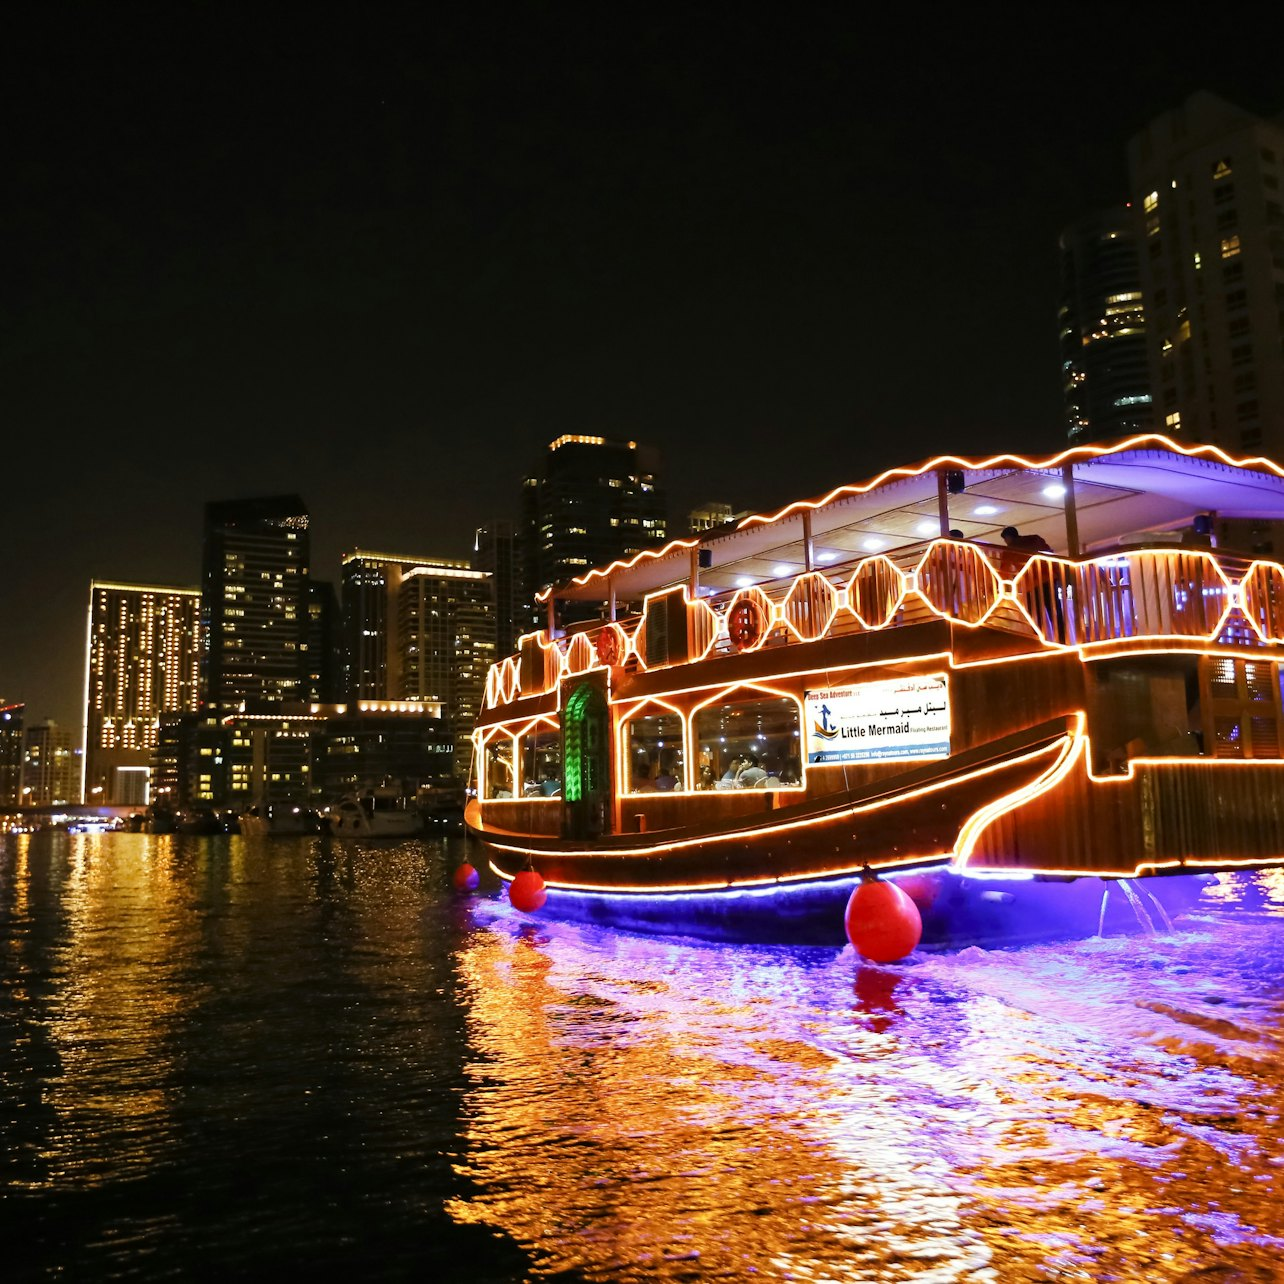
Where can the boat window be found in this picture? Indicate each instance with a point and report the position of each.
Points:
(656, 761)
(1145, 707)
(750, 742)
(540, 752)
(499, 767)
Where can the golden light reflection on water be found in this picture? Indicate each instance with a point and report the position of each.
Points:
(113, 998)
(649, 1111)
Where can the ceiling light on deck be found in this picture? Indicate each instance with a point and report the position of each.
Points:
(927, 529)
(986, 510)
(873, 544)
(744, 581)
(826, 557)
(1055, 491)
(782, 570)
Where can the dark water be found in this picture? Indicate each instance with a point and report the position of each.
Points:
(228, 1058)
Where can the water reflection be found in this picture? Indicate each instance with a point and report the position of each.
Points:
(1103, 1109)
(264, 1058)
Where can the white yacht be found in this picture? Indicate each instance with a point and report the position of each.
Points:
(375, 814)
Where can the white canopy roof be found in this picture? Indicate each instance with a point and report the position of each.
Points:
(1142, 484)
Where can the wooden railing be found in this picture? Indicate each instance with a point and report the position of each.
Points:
(1168, 592)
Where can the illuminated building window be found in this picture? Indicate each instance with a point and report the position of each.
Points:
(750, 742)
(1230, 247)
(1222, 168)
(1173, 420)
(655, 751)
(1151, 201)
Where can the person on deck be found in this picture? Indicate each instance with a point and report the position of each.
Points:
(1020, 549)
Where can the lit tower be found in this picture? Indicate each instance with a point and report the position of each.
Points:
(421, 629)
(254, 603)
(1207, 182)
(593, 501)
(142, 658)
(1104, 377)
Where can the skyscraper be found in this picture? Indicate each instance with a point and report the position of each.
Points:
(497, 549)
(50, 766)
(11, 746)
(323, 664)
(142, 658)
(254, 603)
(1206, 187)
(1105, 378)
(420, 629)
(591, 502)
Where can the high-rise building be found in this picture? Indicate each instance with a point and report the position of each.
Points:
(142, 658)
(323, 679)
(591, 502)
(310, 754)
(11, 747)
(254, 603)
(709, 515)
(1207, 182)
(1104, 372)
(420, 629)
(497, 549)
(50, 766)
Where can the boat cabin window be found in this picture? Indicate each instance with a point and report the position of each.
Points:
(1145, 707)
(749, 742)
(654, 745)
(1166, 706)
(539, 751)
(498, 767)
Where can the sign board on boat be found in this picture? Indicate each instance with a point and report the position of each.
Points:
(879, 721)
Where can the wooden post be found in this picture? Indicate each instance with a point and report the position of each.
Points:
(809, 548)
(552, 616)
(610, 599)
(943, 502)
(693, 579)
(1072, 513)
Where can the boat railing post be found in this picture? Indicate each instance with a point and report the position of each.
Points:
(552, 615)
(809, 547)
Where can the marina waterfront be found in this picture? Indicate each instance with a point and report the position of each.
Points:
(233, 1057)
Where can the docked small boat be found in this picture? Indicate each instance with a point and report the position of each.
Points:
(375, 814)
(263, 819)
(1043, 693)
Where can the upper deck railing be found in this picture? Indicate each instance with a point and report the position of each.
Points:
(1155, 593)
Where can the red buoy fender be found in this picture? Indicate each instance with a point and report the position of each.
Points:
(883, 923)
(466, 878)
(526, 892)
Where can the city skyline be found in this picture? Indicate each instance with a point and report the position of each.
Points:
(386, 277)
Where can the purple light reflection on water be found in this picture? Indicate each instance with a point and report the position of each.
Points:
(1107, 1108)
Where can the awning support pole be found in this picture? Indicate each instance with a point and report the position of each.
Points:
(1072, 513)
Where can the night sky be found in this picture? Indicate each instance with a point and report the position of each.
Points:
(381, 258)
